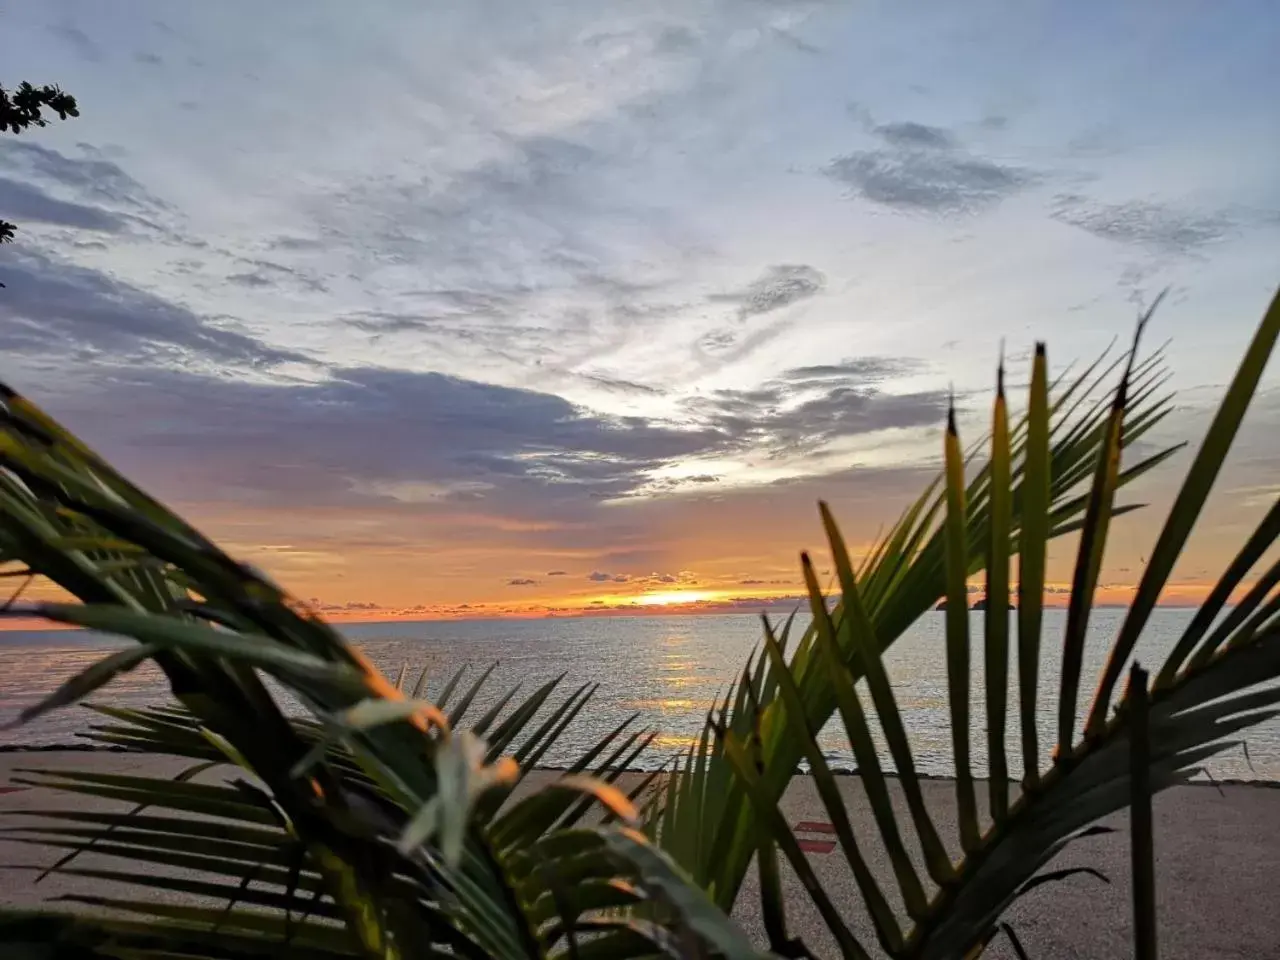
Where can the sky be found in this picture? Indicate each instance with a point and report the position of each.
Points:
(498, 308)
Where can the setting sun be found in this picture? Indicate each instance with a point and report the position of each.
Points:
(663, 598)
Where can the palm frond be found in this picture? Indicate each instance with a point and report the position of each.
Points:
(372, 811)
(1216, 682)
(1053, 448)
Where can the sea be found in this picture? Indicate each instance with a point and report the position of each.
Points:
(665, 671)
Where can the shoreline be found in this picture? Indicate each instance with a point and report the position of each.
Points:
(41, 748)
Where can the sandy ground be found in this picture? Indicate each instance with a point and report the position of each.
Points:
(1217, 855)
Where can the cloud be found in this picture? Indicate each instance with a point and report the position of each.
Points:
(53, 307)
(909, 134)
(1157, 226)
(598, 576)
(78, 41)
(521, 582)
(675, 40)
(806, 408)
(928, 181)
(91, 175)
(780, 286)
(349, 607)
(265, 273)
(366, 436)
(26, 203)
(680, 577)
(426, 440)
(619, 385)
(249, 280)
(924, 168)
(865, 370)
(537, 203)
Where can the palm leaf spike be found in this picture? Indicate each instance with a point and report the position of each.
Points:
(1089, 552)
(887, 930)
(1244, 608)
(420, 688)
(442, 701)
(1257, 544)
(772, 820)
(996, 620)
(1263, 619)
(857, 623)
(456, 714)
(957, 575)
(482, 725)
(1032, 546)
(1187, 506)
(773, 905)
(726, 789)
(1093, 542)
(1141, 829)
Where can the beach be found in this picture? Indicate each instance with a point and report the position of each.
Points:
(1216, 850)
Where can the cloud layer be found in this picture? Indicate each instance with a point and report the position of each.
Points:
(607, 294)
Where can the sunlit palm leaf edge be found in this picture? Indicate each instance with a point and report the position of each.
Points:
(374, 814)
(1210, 688)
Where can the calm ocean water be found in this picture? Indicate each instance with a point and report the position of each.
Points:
(666, 669)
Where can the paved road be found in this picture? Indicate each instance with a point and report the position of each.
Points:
(1217, 853)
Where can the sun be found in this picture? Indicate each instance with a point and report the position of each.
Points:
(663, 598)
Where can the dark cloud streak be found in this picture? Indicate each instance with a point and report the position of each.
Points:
(26, 203)
(92, 176)
(53, 307)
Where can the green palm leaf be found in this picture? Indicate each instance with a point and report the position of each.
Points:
(373, 811)
(1216, 682)
(1052, 450)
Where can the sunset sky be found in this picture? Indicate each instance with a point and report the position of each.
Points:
(471, 309)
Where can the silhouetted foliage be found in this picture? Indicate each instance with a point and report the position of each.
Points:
(24, 108)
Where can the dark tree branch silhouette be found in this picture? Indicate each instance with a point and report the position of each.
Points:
(24, 108)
